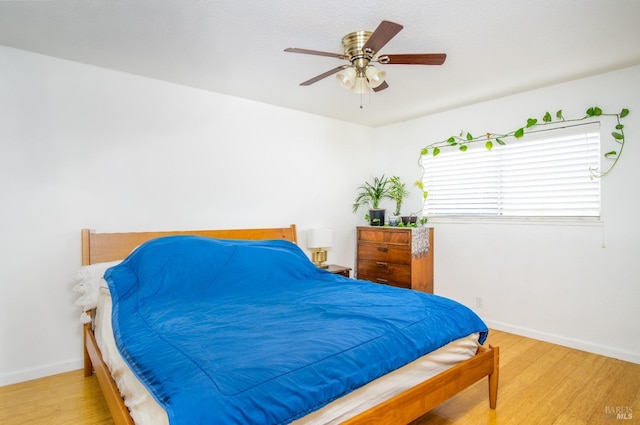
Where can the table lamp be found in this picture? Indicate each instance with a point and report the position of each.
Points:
(318, 240)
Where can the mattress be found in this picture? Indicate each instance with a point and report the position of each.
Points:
(145, 410)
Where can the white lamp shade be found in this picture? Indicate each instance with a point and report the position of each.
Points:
(375, 76)
(347, 77)
(319, 238)
(360, 86)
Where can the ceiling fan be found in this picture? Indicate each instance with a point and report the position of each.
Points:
(361, 48)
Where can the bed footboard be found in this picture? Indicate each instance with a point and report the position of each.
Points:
(417, 401)
(401, 409)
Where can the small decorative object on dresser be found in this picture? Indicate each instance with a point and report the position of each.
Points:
(396, 256)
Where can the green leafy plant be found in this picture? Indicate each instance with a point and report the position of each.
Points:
(397, 191)
(370, 194)
(465, 138)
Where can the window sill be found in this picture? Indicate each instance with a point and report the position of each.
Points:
(535, 221)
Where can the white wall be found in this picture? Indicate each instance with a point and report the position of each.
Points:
(552, 282)
(82, 146)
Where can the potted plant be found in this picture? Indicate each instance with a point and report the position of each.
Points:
(370, 194)
(397, 192)
(409, 220)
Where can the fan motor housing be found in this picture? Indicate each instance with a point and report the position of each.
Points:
(353, 43)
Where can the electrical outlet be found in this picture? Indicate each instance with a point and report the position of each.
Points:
(479, 302)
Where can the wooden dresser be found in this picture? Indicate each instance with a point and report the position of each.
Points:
(396, 256)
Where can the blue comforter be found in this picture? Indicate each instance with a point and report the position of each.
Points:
(251, 332)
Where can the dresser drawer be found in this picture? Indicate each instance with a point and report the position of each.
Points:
(387, 273)
(387, 236)
(384, 252)
(384, 281)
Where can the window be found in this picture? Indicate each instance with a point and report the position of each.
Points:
(543, 174)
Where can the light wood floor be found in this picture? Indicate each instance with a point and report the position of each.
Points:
(540, 384)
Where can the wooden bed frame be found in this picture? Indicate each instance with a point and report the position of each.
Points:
(401, 409)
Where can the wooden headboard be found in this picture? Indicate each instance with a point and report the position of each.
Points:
(102, 247)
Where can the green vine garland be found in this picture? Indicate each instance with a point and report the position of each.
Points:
(464, 139)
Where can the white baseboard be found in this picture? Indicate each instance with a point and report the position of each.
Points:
(590, 347)
(40, 372)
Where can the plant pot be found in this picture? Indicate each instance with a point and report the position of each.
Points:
(394, 220)
(376, 217)
(409, 219)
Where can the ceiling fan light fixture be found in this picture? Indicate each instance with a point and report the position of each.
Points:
(347, 77)
(375, 76)
(361, 48)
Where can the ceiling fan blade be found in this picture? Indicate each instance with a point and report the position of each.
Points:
(324, 75)
(315, 52)
(413, 59)
(382, 86)
(381, 36)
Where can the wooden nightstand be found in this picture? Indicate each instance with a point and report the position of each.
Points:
(335, 269)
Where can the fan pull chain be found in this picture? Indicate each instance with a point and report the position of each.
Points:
(361, 95)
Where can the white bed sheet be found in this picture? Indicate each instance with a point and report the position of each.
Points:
(146, 411)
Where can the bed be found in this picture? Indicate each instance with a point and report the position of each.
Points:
(401, 407)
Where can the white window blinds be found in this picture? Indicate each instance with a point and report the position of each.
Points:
(543, 174)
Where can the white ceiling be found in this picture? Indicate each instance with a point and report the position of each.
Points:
(235, 47)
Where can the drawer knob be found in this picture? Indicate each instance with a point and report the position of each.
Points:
(383, 248)
(381, 264)
(382, 280)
